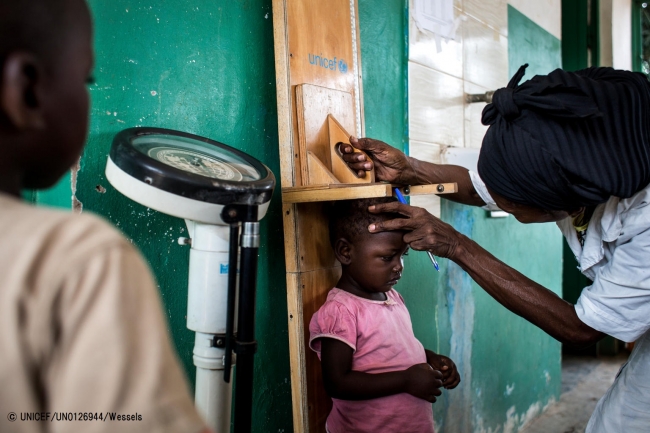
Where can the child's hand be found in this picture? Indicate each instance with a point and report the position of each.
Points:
(423, 381)
(450, 375)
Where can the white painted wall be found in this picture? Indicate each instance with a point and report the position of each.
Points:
(605, 26)
(545, 13)
(474, 63)
(622, 34)
(616, 33)
(438, 81)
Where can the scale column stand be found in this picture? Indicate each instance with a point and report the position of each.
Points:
(246, 345)
(243, 344)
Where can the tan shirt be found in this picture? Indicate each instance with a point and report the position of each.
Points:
(82, 330)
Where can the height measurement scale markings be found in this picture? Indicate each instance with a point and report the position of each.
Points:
(355, 66)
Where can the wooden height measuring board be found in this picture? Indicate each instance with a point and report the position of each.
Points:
(317, 63)
(318, 77)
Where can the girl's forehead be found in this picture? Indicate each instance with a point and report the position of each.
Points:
(394, 239)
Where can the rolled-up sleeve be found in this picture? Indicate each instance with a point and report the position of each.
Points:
(618, 301)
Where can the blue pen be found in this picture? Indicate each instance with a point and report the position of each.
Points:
(401, 199)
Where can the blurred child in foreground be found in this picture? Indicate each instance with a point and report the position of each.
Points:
(81, 324)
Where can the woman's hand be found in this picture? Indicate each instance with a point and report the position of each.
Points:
(423, 381)
(425, 232)
(391, 165)
(450, 375)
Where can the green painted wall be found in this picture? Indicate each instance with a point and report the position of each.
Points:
(510, 368)
(515, 367)
(384, 42)
(60, 195)
(575, 32)
(207, 68)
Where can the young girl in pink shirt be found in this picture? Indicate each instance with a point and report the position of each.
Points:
(379, 376)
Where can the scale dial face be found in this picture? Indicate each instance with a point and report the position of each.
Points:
(195, 162)
(186, 175)
(195, 156)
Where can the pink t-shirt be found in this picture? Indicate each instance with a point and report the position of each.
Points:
(381, 335)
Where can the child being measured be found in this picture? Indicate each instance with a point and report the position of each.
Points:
(379, 376)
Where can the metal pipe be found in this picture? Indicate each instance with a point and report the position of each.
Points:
(232, 297)
(246, 344)
(479, 97)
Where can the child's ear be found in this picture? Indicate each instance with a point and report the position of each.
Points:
(343, 251)
(21, 87)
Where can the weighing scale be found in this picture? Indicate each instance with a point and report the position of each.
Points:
(219, 191)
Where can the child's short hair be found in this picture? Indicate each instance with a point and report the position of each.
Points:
(350, 218)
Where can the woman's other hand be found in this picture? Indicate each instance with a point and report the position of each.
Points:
(424, 231)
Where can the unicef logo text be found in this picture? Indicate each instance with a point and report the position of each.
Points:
(332, 64)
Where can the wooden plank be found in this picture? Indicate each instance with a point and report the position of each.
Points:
(297, 352)
(283, 90)
(319, 32)
(313, 106)
(297, 195)
(318, 173)
(312, 229)
(346, 191)
(315, 285)
(306, 32)
(361, 130)
(290, 238)
(437, 188)
(340, 169)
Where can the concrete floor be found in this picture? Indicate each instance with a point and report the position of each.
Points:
(584, 381)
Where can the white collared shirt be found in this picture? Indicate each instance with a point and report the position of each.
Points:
(616, 257)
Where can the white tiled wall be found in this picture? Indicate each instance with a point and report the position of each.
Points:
(477, 62)
(435, 106)
(545, 13)
(474, 129)
(492, 13)
(485, 54)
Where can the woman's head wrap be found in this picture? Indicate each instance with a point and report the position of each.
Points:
(568, 139)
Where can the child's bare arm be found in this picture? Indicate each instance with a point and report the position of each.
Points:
(343, 383)
(450, 375)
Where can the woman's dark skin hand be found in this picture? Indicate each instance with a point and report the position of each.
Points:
(510, 288)
(450, 375)
(424, 231)
(391, 165)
